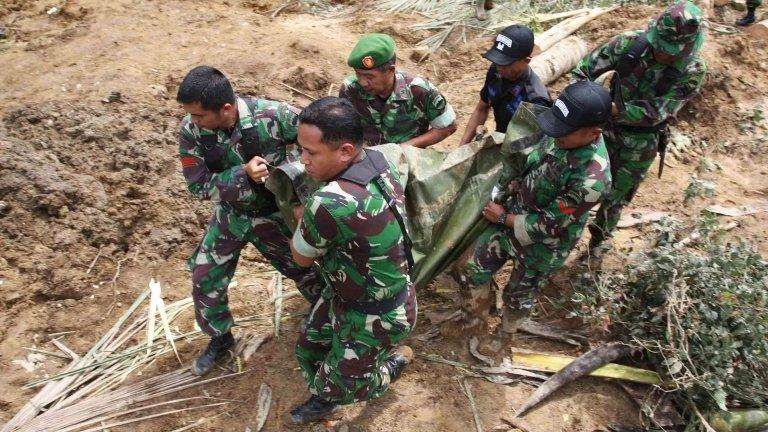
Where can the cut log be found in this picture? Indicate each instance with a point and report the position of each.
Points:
(559, 59)
(758, 30)
(564, 29)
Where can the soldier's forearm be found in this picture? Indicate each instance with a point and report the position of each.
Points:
(478, 118)
(432, 136)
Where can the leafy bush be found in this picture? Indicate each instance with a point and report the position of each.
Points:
(700, 313)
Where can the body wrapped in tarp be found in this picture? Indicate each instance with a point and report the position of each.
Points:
(445, 191)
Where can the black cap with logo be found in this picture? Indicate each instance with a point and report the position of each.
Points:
(581, 104)
(512, 44)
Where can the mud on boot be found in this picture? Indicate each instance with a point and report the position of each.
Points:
(217, 348)
(396, 362)
(475, 308)
(314, 409)
(511, 318)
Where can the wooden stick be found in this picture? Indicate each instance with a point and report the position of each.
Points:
(165, 413)
(60, 345)
(312, 98)
(44, 352)
(468, 392)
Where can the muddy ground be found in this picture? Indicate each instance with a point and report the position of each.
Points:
(92, 202)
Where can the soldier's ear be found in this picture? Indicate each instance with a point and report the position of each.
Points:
(348, 151)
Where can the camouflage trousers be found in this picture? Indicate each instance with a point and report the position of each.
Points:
(214, 262)
(341, 352)
(492, 249)
(631, 155)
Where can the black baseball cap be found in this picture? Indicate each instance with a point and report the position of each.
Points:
(581, 104)
(512, 44)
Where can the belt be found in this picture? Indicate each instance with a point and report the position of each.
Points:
(379, 307)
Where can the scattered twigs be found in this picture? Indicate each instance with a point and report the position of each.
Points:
(44, 352)
(295, 90)
(468, 392)
(543, 330)
(93, 263)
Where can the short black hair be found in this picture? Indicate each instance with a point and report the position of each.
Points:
(337, 120)
(208, 86)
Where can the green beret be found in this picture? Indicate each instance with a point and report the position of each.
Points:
(371, 51)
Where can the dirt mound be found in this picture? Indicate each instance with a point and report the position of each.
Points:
(79, 180)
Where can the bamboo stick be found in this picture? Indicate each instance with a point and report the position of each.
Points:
(555, 362)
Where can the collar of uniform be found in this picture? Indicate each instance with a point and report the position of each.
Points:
(244, 113)
(401, 91)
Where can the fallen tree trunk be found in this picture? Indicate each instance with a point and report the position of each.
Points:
(758, 30)
(564, 29)
(559, 59)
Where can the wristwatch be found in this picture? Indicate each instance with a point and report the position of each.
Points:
(503, 218)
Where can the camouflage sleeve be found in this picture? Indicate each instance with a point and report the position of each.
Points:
(436, 108)
(346, 91)
(602, 59)
(229, 185)
(288, 122)
(654, 111)
(316, 230)
(561, 218)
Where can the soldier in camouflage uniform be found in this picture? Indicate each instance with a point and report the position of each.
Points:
(566, 175)
(749, 18)
(396, 106)
(354, 228)
(658, 72)
(226, 144)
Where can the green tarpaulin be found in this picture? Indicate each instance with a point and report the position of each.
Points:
(445, 191)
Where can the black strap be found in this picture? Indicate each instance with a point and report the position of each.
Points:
(392, 204)
(369, 170)
(379, 307)
(212, 154)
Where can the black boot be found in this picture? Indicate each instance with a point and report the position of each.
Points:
(748, 19)
(397, 361)
(314, 409)
(216, 349)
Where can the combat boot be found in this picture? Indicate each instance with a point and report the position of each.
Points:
(511, 318)
(216, 349)
(748, 19)
(475, 309)
(396, 362)
(314, 409)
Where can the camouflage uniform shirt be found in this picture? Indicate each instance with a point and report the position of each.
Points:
(358, 237)
(638, 90)
(556, 193)
(228, 185)
(414, 106)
